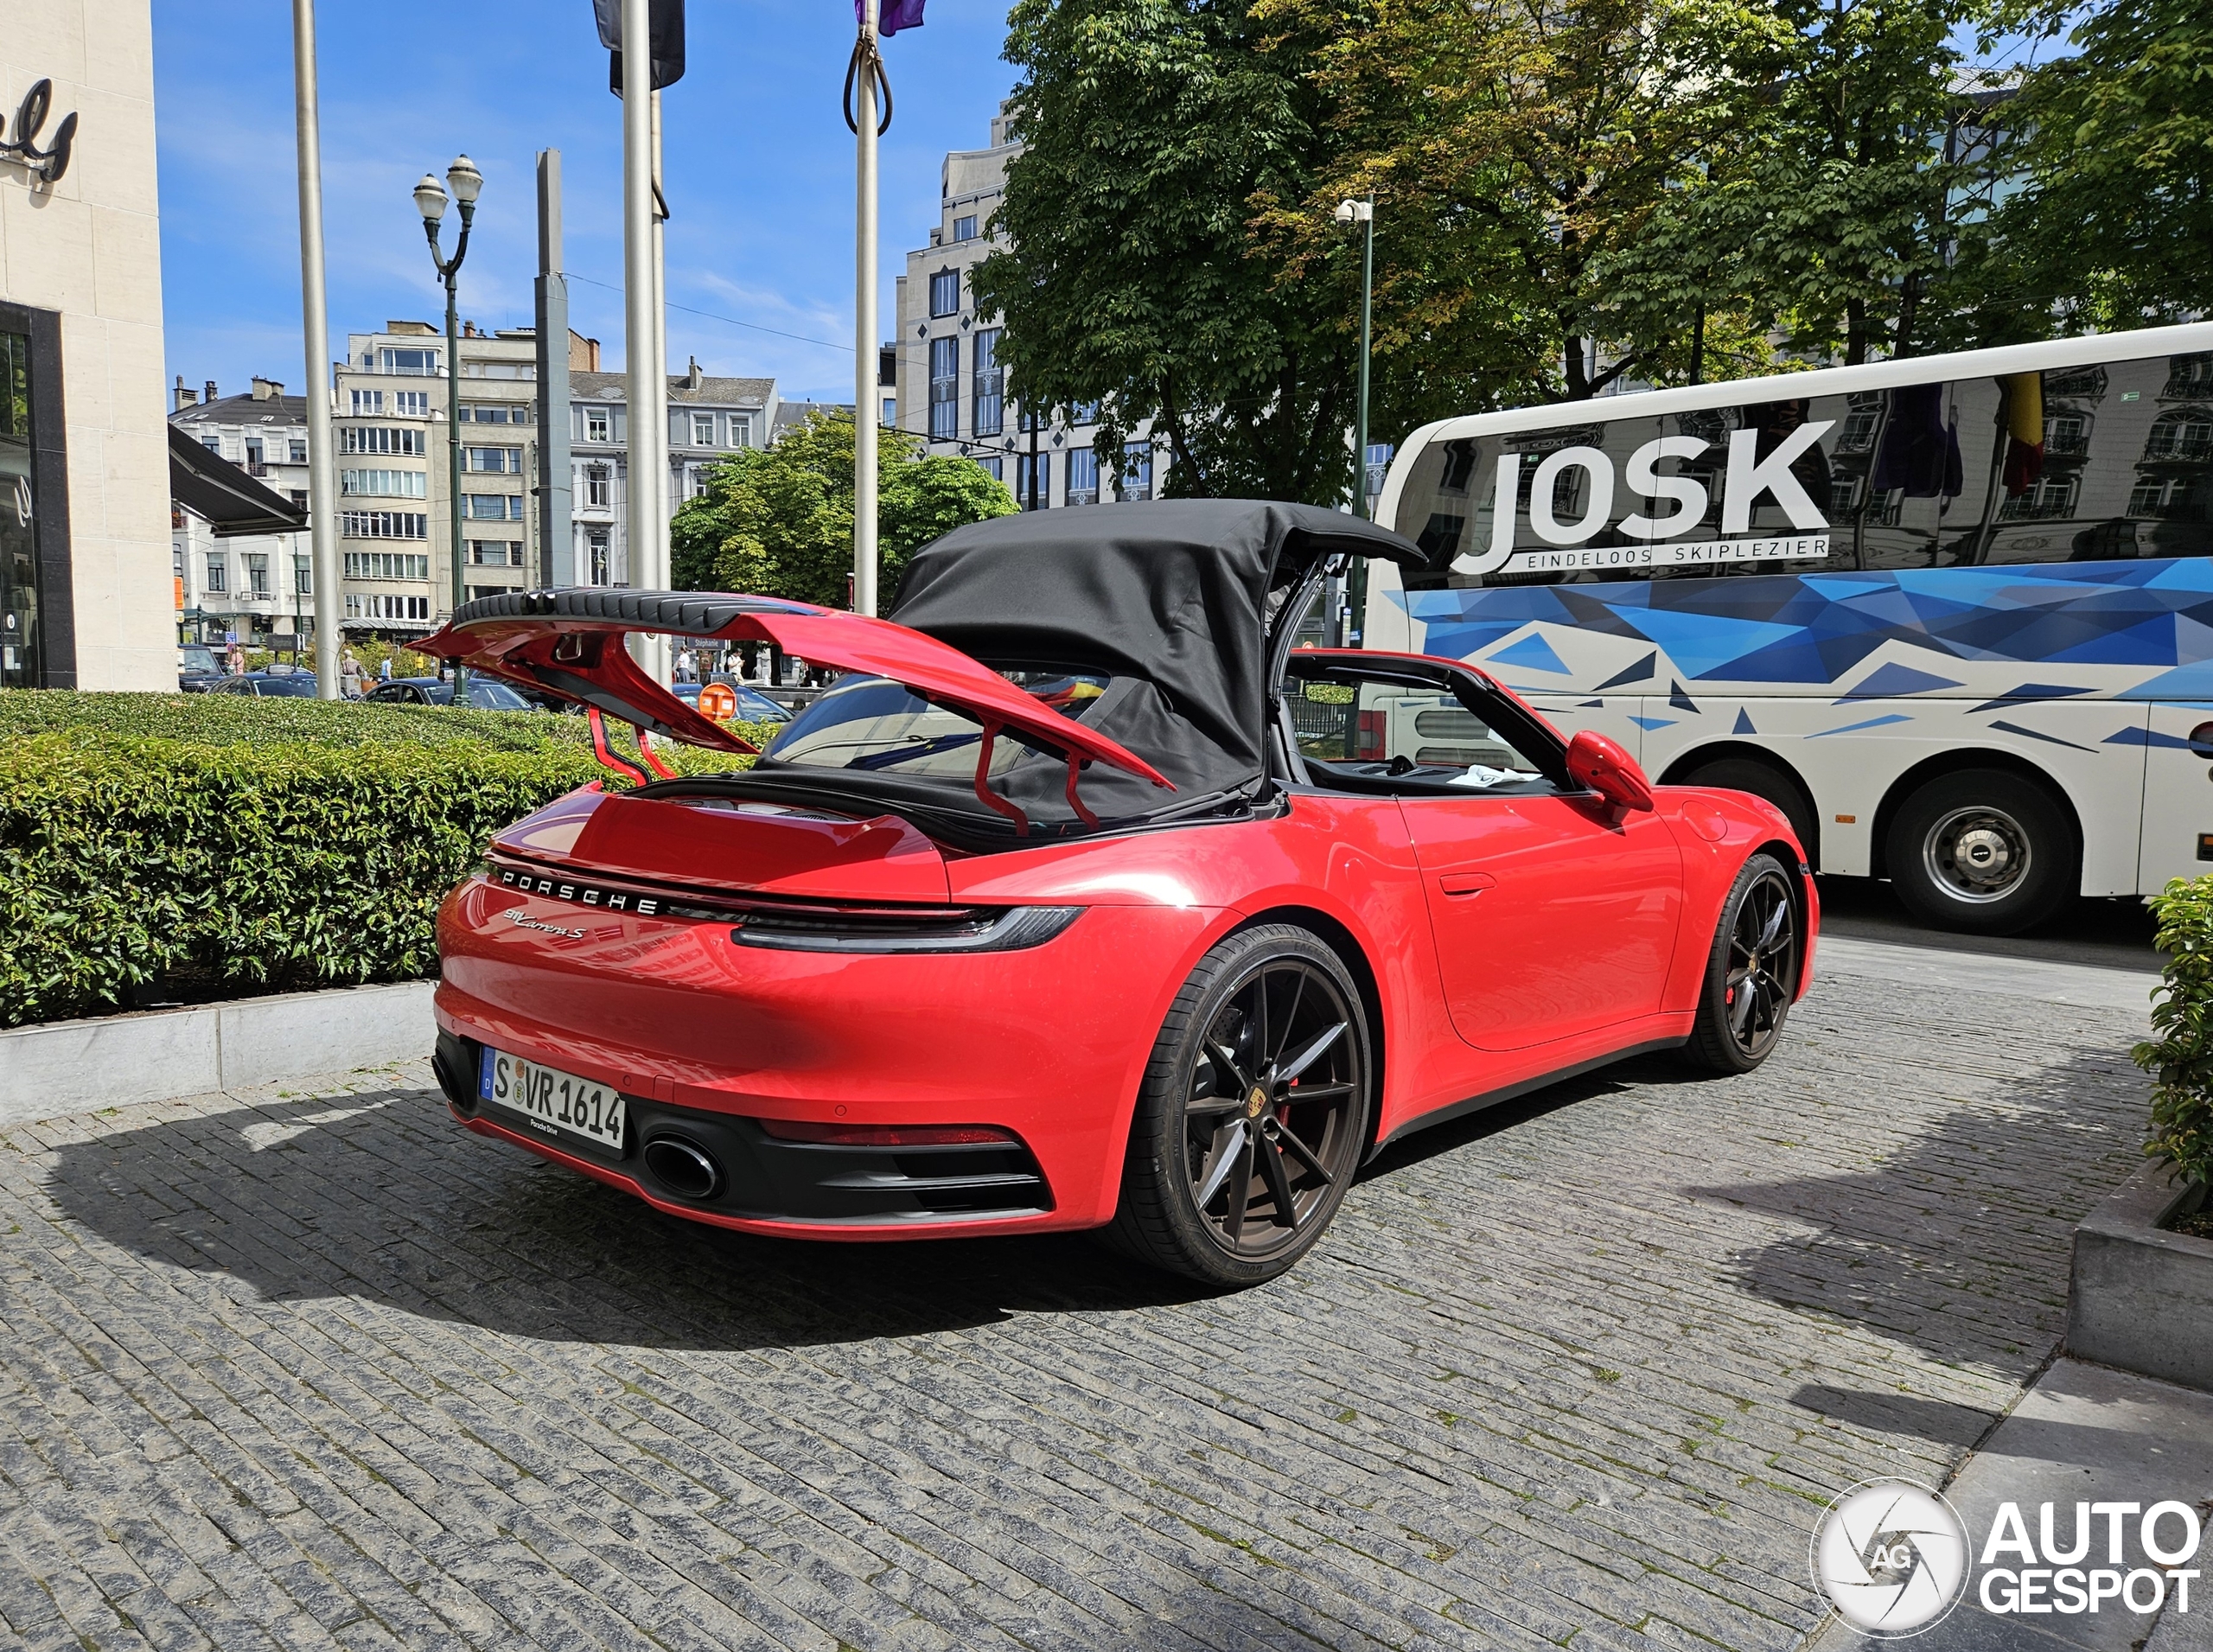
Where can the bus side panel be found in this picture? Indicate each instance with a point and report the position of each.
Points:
(2178, 794)
(1852, 756)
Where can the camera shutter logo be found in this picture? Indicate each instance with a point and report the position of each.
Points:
(1892, 1557)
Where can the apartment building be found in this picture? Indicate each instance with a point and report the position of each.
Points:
(949, 387)
(710, 418)
(258, 590)
(394, 504)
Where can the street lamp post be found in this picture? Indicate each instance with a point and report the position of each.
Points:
(430, 200)
(1362, 212)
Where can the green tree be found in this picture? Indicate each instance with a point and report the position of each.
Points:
(2114, 227)
(1130, 278)
(1518, 152)
(778, 521)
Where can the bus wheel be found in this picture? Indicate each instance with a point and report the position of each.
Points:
(1766, 782)
(1984, 851)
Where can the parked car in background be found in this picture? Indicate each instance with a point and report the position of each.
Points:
(753, 705)
(197, 669)
(267, 685)
(484, 694)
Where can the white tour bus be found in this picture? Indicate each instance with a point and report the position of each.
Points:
(1953, 615)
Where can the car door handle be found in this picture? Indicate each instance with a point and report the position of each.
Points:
(1465, 883)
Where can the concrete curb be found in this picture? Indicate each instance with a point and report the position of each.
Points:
(65, 1067)
(2141, 1297)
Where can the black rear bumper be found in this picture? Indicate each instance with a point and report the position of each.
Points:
(766, 1179)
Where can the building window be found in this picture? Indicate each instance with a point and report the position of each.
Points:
(1084, 412)
(596, 556)
(213, 444)
(412, 403)
(1032, 491)
(945, 389)
(1137, 470)
(2184, 435)
(492, 507)
(1083, 476)
(963, 229)
(377, 606)
(595, 425)
(495, 461)
(599, 487)
(495, 553)
(945, 293)
(297, 447)
(383, 484)
(995, 468)
(218, 576)
(485, 412)
(702, 430)
(890, 413)
(256, 575)
(367, 403)
(403, 440)
(384, 525)
(255, 458)
(2048, 497)
(386, 564)
(414, 364)
(990, 383)
(741, 431)
(299, 497)
(303, 577)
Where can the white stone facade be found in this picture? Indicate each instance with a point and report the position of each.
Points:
(80, 280)
(949, 389)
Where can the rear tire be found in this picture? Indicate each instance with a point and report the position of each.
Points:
(1751, 971)
(1770, 785)
(1253, 1115)
(1984, 851)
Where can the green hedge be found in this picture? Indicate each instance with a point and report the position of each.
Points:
(2180, 1057)
(170, 845)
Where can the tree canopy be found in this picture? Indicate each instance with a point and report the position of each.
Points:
(778, 521)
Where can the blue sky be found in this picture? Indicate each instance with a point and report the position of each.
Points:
(759, 171)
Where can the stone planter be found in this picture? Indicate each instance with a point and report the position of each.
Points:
(2141, 1298)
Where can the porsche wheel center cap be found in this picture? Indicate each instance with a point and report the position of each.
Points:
(1256, 1102)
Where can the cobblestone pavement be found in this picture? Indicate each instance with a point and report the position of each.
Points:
(327, 1371)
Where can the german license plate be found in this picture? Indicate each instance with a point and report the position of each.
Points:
(556, 1103)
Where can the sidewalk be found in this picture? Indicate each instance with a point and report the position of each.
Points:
(2082, 1433)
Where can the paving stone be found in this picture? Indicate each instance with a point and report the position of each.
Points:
(325, 1371)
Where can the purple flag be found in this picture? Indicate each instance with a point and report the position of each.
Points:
(892, 16)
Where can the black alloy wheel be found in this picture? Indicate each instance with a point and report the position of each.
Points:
(1253, 1114)
(1751, 972)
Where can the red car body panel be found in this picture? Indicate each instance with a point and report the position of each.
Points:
(538, 650)
(1050, 1042)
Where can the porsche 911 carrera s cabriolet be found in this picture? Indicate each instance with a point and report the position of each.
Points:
(1084, 899)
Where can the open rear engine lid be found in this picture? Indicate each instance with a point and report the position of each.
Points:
(570, 642)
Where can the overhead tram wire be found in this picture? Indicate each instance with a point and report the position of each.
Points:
(797, 338)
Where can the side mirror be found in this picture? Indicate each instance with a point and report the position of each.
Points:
(1601, 764)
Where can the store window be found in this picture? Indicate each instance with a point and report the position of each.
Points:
(19, 583)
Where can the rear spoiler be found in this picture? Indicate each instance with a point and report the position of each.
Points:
(572, 643)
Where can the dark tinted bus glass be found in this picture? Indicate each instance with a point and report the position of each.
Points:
(2067, 464)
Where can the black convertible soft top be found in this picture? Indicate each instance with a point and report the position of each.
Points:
(1170, 598)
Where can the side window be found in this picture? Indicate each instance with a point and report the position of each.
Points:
(1368, 733)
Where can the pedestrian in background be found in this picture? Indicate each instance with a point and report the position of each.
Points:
(349, 677)
(234, 660)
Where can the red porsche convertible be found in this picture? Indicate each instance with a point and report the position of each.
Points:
(1083, 900)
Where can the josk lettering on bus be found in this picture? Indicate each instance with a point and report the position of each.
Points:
(1748, 476)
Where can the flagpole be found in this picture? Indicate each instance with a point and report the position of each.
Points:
(866, 416)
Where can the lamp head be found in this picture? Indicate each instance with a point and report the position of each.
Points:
(430, 199)
(464, 180)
